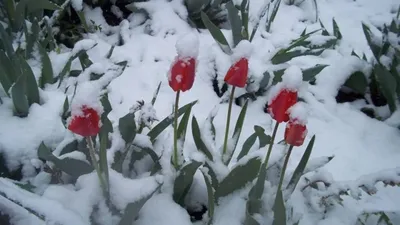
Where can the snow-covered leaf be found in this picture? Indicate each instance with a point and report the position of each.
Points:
(336, 30)
(184, 181)
(357, 82)
(73, 167)
(254, 203)
(132, 209)
(210, 195)
(238, 177)
(310, 73)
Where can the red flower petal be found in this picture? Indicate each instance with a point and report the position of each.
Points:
(281, 103)
(295, 133)
(87, 124)
(237, 73)
(182, 74)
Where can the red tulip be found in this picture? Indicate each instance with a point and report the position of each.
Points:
(182, 74)
(237, 73)
(295, 133)
(87, 124)
(279, 106)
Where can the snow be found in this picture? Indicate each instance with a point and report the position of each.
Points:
(299, 112)
(87, 94)
(365, 149)
(243, 50)
(188, 45)
(77, 4)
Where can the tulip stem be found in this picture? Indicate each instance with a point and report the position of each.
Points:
(92, 154)
(228, 120)
(284, 167)
(271, 144)
(175, 157)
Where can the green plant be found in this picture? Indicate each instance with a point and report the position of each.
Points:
(382, 84)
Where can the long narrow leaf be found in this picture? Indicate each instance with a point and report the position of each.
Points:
(236, 23)
(198, 140)
(301, 166)
(160, 127)
(216, 33)
(279, 210)
(238, 130)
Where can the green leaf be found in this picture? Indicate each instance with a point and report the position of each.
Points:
(20, 101)
(70, 147)
(357, 82)
(387, 84)
(47, 69)
(257, 22)
(103, 159)
(127, 127)
(153, 100)
(132, 209)
(247, 146)
(82, 18)
(153, 155)
(32, 36)
(213, 175)
(7, 42)
(35, 5)
(9, 7)
(84, 60)
(210, 194)
(236, 23)
(216, 33)
(238, 177)
(310, 73)
(278, 76)
(183, 124)
(301, 166)
(336, 30)
(198, 140)
(5, 82)
(64, 71)
(105, 102)
(161, 126)
(73, 167)
(273, 15)
(244, 10)
(373, 46)
(284, 57)
(238, 129)
(32, 89)
(262, 137)
(254, 204)
(279, 210)
(184, 181)
(265, 80)
(109, 54)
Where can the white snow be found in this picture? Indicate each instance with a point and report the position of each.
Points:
(243, 50)
(187, 45)
(365, 149)
(77, 4)
(299, 112)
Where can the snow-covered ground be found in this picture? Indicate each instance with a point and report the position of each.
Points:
(361, 145)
